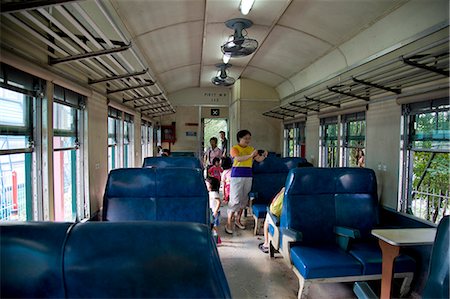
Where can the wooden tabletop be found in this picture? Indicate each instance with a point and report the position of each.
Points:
(406, 236)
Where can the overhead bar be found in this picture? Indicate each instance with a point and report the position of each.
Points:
(394, 90)
(426, 67)
(9, 7)
(333, 89)
(53, 61)
(322, 102)
(130, 88)
(273, 116)
(141, 98)
(304, 107)
(154, 108)
(117, 77)
(291, 110)
(148, 104)
(85, 39)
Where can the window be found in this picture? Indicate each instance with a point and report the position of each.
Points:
(354, 138)
(18, 93)
(69, 203)
(294, 140)
(114, 122)
(329, 154)
(128, 140)
(146, 140)
(425, 150)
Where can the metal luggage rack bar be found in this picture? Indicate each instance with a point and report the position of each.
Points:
(424, 65)
(66, 32)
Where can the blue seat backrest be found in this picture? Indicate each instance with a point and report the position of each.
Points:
(163, 194)
(269, 176)
(165, 162)
(318, 199)
(437, 285)
(31, 259)
(143, 260)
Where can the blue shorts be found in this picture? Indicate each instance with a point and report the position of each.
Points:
(215, 220)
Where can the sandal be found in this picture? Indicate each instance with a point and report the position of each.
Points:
(263, 248)
(239, 225)
(228, 231)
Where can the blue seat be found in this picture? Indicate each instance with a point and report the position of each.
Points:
(110, 260)
(162, 194)
(166, 162)
(31, 259)
(325, 227)
(269, 176)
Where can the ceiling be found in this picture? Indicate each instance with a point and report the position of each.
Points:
(170, 45)
(181, 40)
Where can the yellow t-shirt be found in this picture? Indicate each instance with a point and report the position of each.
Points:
(243, 168)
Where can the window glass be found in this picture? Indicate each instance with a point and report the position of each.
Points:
(354, 139)
(329, 142)
(427, 150)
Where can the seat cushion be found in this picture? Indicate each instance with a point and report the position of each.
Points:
(369, 255)
(259, 210)
(324, 262)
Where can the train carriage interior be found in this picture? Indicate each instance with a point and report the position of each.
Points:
(346, 101)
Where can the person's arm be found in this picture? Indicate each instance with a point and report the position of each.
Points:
(261, 158)
(235, 153)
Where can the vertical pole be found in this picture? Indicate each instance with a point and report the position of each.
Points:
(28, 187)
(14, 190)
(73, 161)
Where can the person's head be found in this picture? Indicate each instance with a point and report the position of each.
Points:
(222, 135)
(244, 137)
(165, 153)
(226, 163)
(212, 184)
(216, 161)
(213, 142)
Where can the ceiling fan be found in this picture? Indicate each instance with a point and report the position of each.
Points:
(239, 45)
(222, 78)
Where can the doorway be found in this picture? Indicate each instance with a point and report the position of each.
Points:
(211, 128)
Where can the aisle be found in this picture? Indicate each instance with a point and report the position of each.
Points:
(252, 274)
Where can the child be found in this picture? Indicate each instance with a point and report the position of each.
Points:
(215, 170)
(226, 178)
(214, 204)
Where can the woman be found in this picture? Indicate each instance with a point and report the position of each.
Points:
(241, 177)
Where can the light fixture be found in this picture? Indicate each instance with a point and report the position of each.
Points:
(246, 6)
(226, 58)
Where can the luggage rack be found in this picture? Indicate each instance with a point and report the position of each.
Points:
(425, 65)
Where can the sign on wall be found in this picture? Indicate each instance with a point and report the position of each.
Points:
(215, 112)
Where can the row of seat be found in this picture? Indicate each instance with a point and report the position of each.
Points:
(110, 260)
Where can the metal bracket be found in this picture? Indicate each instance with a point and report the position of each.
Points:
(334, 89)
(90, 81)
(141, 98)
(394, 90)
(130, 88)
(322, 102)
(53, 61)
(425, 67)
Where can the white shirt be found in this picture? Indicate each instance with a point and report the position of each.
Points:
(212, 200)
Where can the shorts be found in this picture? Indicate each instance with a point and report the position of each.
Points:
(239, 189)
(215, 221)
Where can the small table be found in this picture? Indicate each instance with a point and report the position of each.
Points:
(390, 241)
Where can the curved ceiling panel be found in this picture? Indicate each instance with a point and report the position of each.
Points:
(142, 17)
(181, 78)
(286, 51)
(335, 21)
(264, 76)
(173, 46)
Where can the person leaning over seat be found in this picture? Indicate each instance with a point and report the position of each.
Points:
(241, 177)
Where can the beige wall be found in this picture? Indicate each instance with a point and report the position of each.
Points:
(383, 148)
(97, 131)
(266, 131)
(312, 139)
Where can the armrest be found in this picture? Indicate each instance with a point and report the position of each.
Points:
(363, 291)
(344, 234)
(291, 235)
